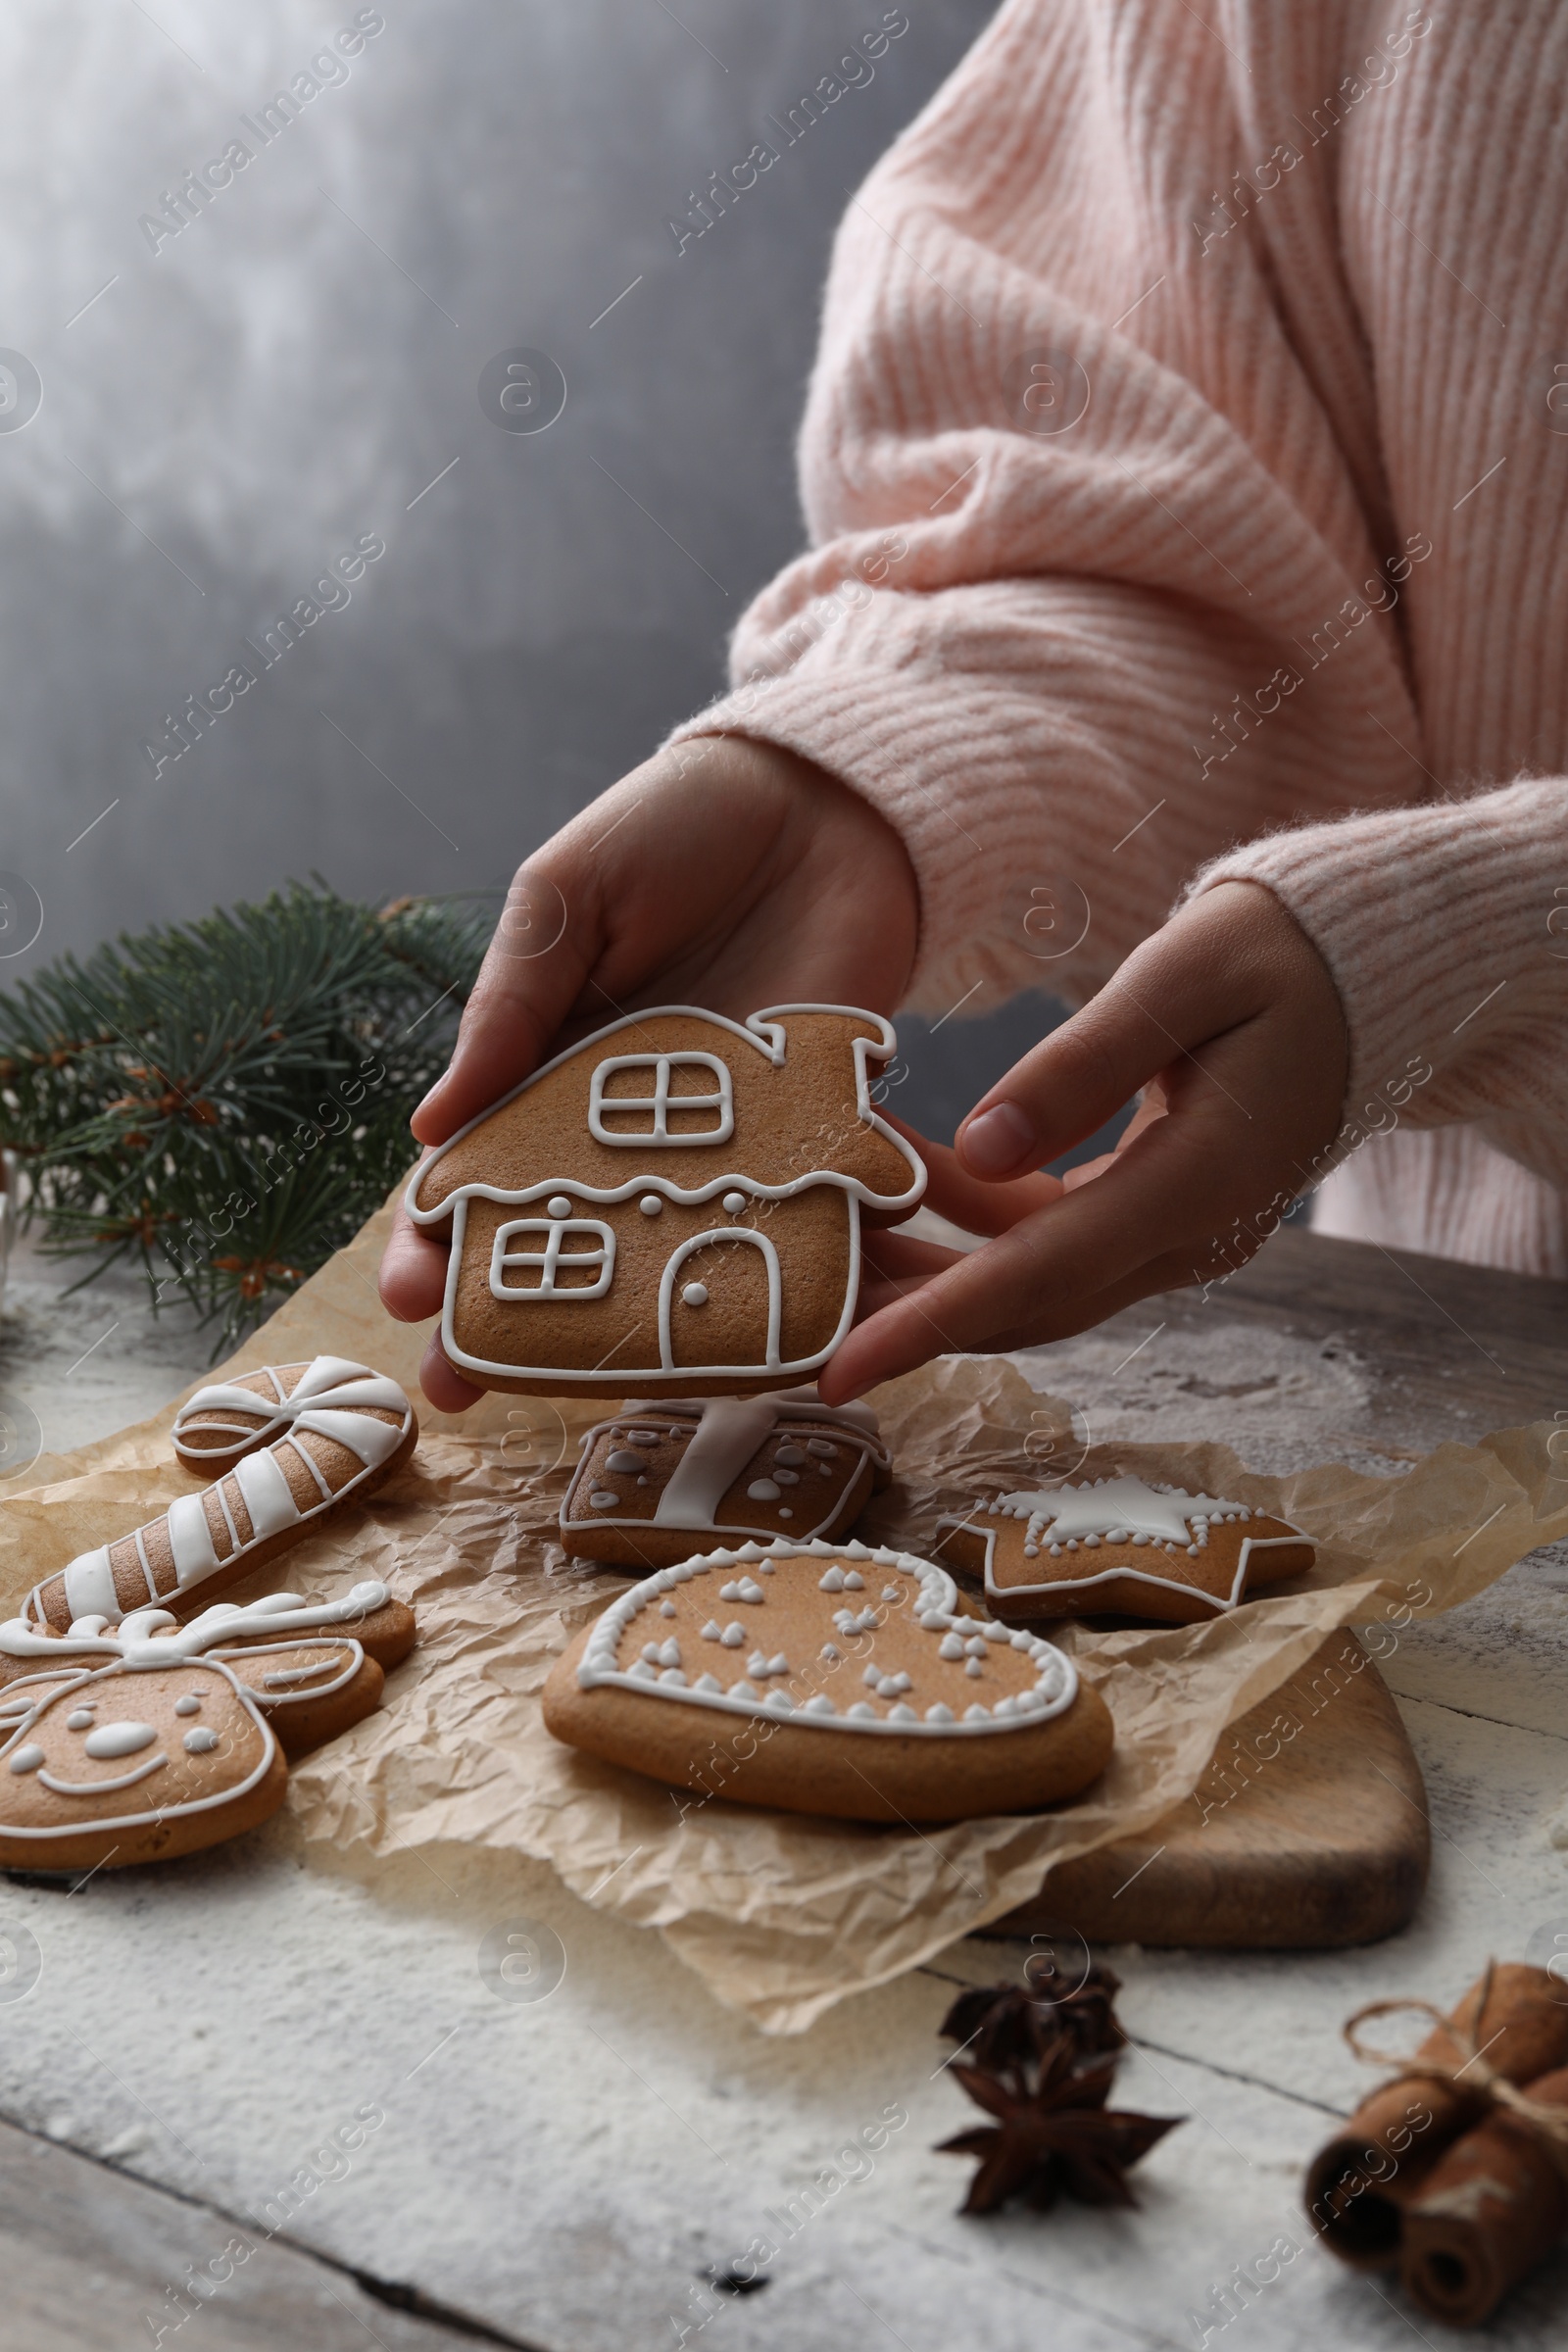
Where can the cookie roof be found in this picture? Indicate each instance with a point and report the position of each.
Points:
(550, 1131)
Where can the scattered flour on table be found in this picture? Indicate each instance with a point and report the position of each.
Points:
(1282, 1403)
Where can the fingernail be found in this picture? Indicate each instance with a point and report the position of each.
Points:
(997, 1140)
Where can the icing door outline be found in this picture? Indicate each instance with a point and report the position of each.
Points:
(660, 1102)
(743, 1236)
(552, 1258)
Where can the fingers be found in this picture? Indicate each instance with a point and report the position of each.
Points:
(545, 944)
(412, 1278)
(965, 1201)
(895, 1265)
(1193, 981)
(446, 1388)
(1145, 1224)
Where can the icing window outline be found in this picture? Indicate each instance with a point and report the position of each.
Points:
(552, 1257)
(660, 1102)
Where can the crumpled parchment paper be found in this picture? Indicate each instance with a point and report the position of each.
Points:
(779, 1915)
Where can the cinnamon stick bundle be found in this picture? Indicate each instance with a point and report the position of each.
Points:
(1490, 2208)
(1361, 2184)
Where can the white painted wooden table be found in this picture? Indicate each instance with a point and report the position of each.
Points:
(256, 2103)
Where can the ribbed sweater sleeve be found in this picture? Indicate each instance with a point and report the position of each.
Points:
(1104, 573)
(1446, 929)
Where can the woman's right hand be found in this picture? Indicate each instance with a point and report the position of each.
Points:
(723, 872)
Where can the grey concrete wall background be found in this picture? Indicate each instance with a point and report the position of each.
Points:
(225, 406)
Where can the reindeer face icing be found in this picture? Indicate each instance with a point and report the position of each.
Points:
(158, 1739)
(121, 1746)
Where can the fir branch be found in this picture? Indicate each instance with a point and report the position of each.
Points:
(223, 1102)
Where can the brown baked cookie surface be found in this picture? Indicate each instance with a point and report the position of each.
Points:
(669, 1209)
(159, 1739)
(345, 1431)
(1121, 1547)
(653, 1485)
(830, 1679)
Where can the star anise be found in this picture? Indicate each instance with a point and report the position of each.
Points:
(1044, 2070)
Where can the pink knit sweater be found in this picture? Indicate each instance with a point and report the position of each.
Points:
(1186, 466)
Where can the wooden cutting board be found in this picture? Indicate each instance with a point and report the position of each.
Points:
(1294, 1838)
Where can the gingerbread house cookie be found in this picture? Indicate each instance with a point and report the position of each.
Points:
(136, 1744)
(1121, 1547)
(831, 1679)
(700, 1471)
(672, 1208)
(345, 1432)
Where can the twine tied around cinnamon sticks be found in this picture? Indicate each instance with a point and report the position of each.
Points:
(1549, 2125)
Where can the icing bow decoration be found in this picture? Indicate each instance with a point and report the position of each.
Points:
(158, 1739)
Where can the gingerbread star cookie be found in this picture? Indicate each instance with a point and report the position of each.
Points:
(658, 1481)
(305, 1443)
(828, 1679)
(139, 1743)
(1121, 1547)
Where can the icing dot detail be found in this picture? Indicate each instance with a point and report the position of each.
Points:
(558, 1205)
(651, 1204)
(80, 1719)
(695, 1294)
(604, 1499)
(624, 1464)
(201, 1742)
(762, 1489)
(27, 1759)
(119, 1740)
(189, 1706)
(734, 1204)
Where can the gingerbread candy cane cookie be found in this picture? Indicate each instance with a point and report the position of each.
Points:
(345, 1431)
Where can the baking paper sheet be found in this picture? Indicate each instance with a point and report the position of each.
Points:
(779, 1915)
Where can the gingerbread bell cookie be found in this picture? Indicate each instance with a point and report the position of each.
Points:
(136, 1744)
(304, 1440)
(1121, 1547)
(830, 1679)
(654, 1485)
(672, 1208)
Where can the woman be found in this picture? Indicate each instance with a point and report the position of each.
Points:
(1186, 465)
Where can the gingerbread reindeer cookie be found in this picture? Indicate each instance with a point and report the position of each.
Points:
(672, 1208)
(657, 1483)
(831, 1679)
(157, 1740)
(304, 1440)
(1121, 1547)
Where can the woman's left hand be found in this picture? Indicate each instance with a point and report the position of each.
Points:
(1229, 1021)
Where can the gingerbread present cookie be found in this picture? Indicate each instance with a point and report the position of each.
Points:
(672, 1208)
(1121, 1547)
(345, 1431)
(830, 1679)
(654, 1485)
(157, 1739)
